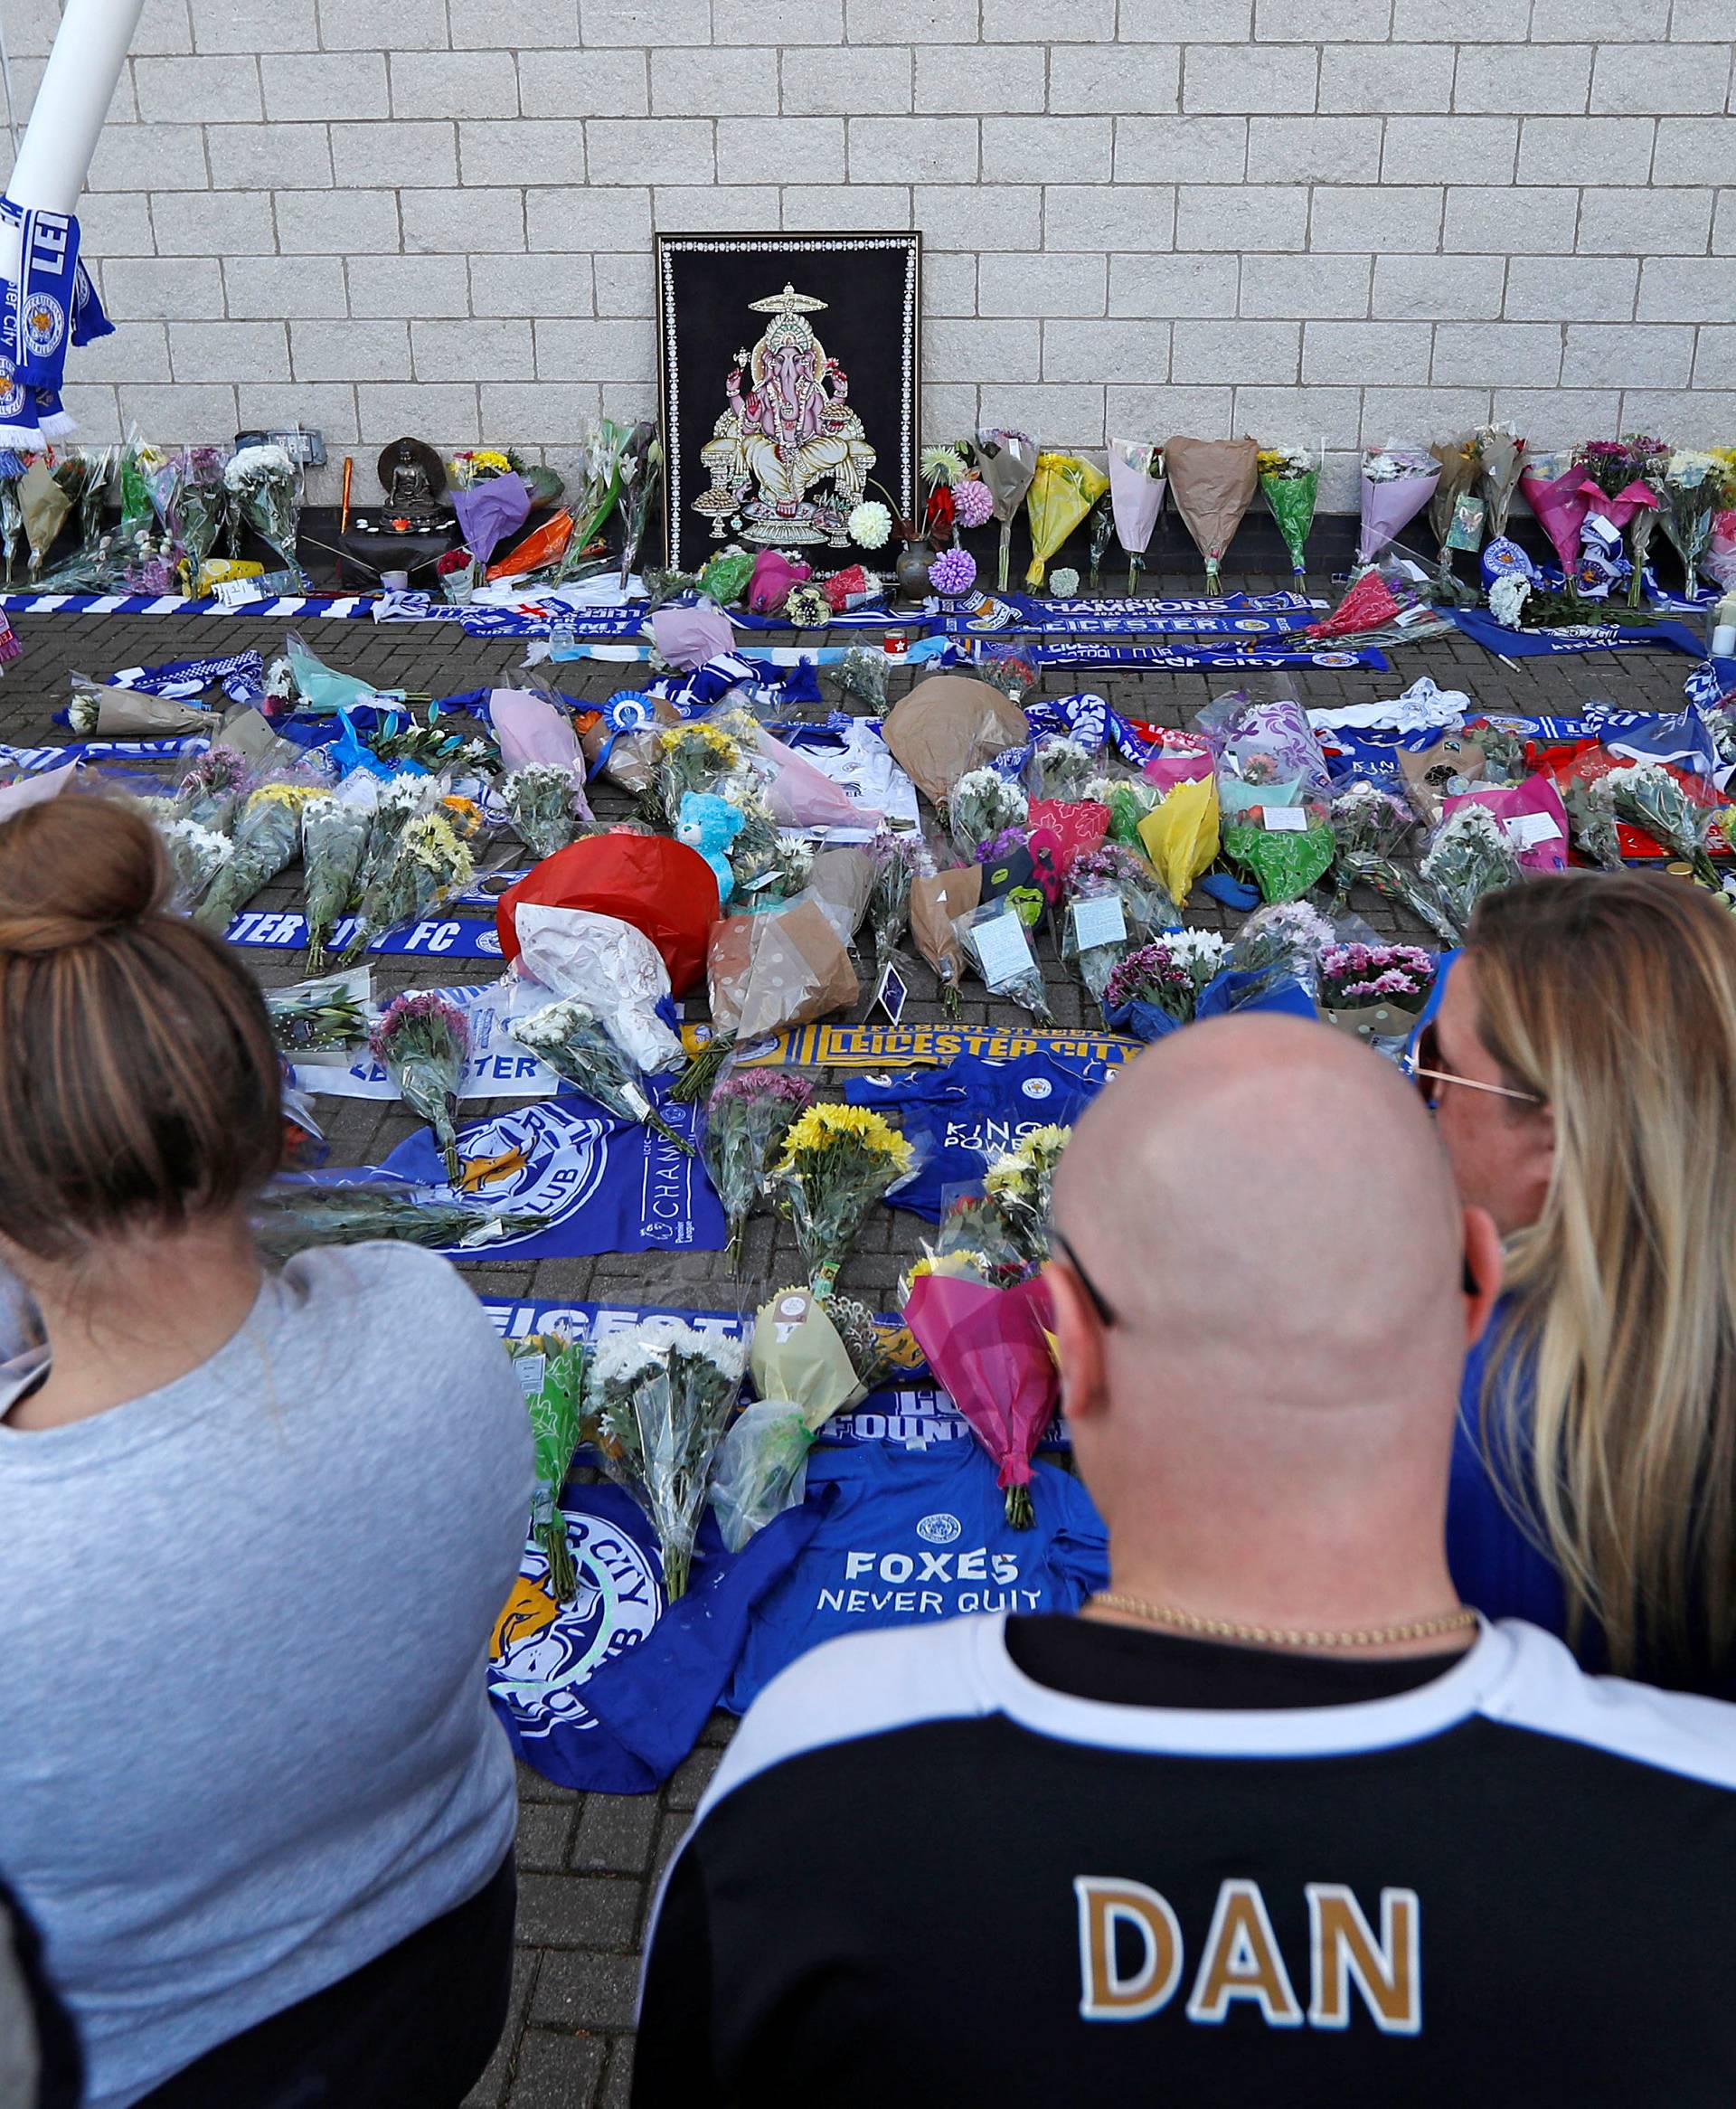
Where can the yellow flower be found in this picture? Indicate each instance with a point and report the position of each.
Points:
(463, 815)
(294, 795)
(431, 844)
(825, 1125)
(491, 458)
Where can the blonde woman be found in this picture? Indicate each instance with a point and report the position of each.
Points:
(1582, 1067)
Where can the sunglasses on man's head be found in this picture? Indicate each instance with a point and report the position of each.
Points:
(1060, 1242)
(1422, 1065)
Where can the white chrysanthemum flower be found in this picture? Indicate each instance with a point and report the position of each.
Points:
(869, 524)
(251, 465)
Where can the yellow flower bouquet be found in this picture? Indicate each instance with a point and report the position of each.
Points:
(1062, 491)
(838, 1161)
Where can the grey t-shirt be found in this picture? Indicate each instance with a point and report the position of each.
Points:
(245, 1741)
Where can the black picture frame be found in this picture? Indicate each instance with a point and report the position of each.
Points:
(853, 314)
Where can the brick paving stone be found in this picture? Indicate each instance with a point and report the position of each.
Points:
(589, 1864)
(616, 1834)
(557, 2072)
(578, 1911)
(583, 1991)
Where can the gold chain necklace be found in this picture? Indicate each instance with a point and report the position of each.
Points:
(1218, 1629)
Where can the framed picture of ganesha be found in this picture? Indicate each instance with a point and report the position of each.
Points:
(789, 371)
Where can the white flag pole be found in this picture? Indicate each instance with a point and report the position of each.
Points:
(89, 50)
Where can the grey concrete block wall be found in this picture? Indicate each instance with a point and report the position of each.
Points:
(1140, 216)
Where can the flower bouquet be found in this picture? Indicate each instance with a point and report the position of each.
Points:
(1591, 826)
(837, 1162)
(803, 1372)
(658, 1397)
(641, 473)
(1455, 513)
(1648, 458)
(997, 939)
(1647, 796)
(421, 1041)
(1275, 825)
(989, 1348)
(1019, 1182)
(459, 574)
(550, 1370)
(1365, 821)
(212, 787)
(327, 1016)
(570, 1038)
(1212, 483)
(336, 827)
(1471, 855)
(196, 854)
(13, 470)
(1375, 992)
(1289, 482)
(200, 510)
(1060, 768)
(1180, 836)
(1126, 800)
(426, 863)
(1694, 491)
(289, 1219)
(1500, 455)
(1006, 460)
(1279, 943)
(980, 805)
(696, 757)
(1137, 485)
(764, 973)
(1398, 482)
(937, 900)
(1553, 484)
(747, 1118)
(97, 712)
(265, 487)
(267, 837)
(1114, 902)
(540, 800)
(1158, 987)
(897, 859)
(1063, 489)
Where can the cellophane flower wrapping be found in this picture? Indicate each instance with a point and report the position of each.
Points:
(1063, 489)
(1274, 792)
(981, 805)
(1552, 486)
(201, 508)
(1136, 486)
(696, 757)
(1469, 856)
(998, 942)
(1501, 456)
(573, 1039)
(803, 1373)
(211, 791)
(428, 861)
(265, 490)
(1006, 460)
(1401, 977)
(267, 837)
(326, 1016)
(337, 828)
(1212, 483)
(1114, 903)
(1020, 1181)
(551, 1371)
(989, 1351)
(1531, 813)
(1694, 487)
(898, 858)
(1398, 482)
(1060, 767)
(748, 1116)
(837, 1162)
(1365, 820)
(1647, 796)
(658, 1397)
(1289, 482)
(1181, 834)
(1281, 941)
(422, 1041)
(289, 1219)
(541, 800)
(196, 854)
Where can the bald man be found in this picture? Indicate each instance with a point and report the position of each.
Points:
(1275, 1820)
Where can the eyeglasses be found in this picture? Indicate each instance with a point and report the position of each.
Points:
(1422, 1065)
(1099, 1301)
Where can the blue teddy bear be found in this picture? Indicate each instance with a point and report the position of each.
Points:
(708, 824)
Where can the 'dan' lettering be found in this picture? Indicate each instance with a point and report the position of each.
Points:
(1242, 1961)
(1106, 1903)
(1387, 1972)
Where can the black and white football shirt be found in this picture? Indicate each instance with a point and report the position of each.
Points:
(938, 1869)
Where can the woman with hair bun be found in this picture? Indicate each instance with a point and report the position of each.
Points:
(255, 1528)
(1582, 1065)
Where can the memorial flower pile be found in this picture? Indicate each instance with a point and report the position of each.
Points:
(543, 800)
(426, 863)
(196, 854)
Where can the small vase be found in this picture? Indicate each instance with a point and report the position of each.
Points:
(912, 570)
